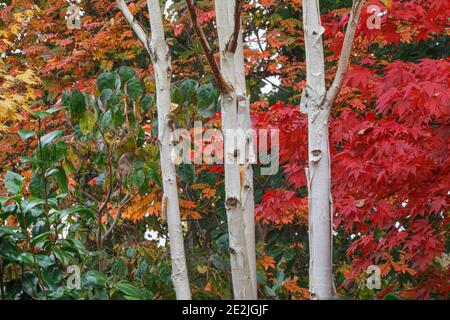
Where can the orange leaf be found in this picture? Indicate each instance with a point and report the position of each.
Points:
(267, 262)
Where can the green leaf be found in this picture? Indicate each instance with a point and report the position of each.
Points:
(3, 199)
(147, 102)
(30, 283)
(31, 203)
(140, 138)
(74, 246)
(40, 239)
(13, 182)
(8, 250)
(77, 105)
(153, 174)
(51, 276)
(55, 109)
(138, 179)
(44, 261)
(27, 258)
(177, 96)
(187, 172)
(88, 212)
(32, 160)
(26, 134)
(134, 89)
(37, 185)
(106, 80)
(185, 92)
(114, 101)
(61, 179)
(130, 291)
(44, 114)
(207, 96)
(105, 96)
(41, 114)
(218, 262)
(120, 268)
(62, 256)
(66, 98)
(87, 122)
(261, 277)
(96, 278)
(280, 279)
(188, 88)
(118, 118)
(269, 292)
(106, 119)
(58, 151)
(14, 232)
(50, 137)
(126, 73)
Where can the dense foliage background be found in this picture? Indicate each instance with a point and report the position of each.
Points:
(79, 174)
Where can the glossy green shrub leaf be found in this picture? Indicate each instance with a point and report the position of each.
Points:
(37, 185)
(95, 278)
(207, 96)
(87, 122)
(50, 137)
(26, 134)
(106, 80)
(130, 291)
(77, 105)
(126, 73)
(147, 102)
(13, 182)
(134, 89)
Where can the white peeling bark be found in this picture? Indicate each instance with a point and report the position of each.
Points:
(248, 201)
(319, 175)
(317, 103)
(160, 55)
(240, 271)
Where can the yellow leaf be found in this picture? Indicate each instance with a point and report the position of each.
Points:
(202, 269)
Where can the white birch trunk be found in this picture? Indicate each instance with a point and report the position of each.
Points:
(318, 174)
(241, 278)
(248, 201)
(161, 62)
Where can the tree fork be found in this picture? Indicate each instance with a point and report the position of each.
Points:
(317, 103)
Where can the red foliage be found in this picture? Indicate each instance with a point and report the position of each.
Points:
(390, 168)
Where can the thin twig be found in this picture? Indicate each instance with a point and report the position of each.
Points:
(124, 201)
(232, 43)
(345, 53)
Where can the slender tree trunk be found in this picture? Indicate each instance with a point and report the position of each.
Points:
(317, 103)
(160, 55)
(318, 173)
(231, 102)
(244, 121)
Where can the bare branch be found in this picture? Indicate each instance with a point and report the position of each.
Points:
(122, 204)
(111, 179)
(345, 52)
(141, 34)
(224, 87)
(232, 43)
